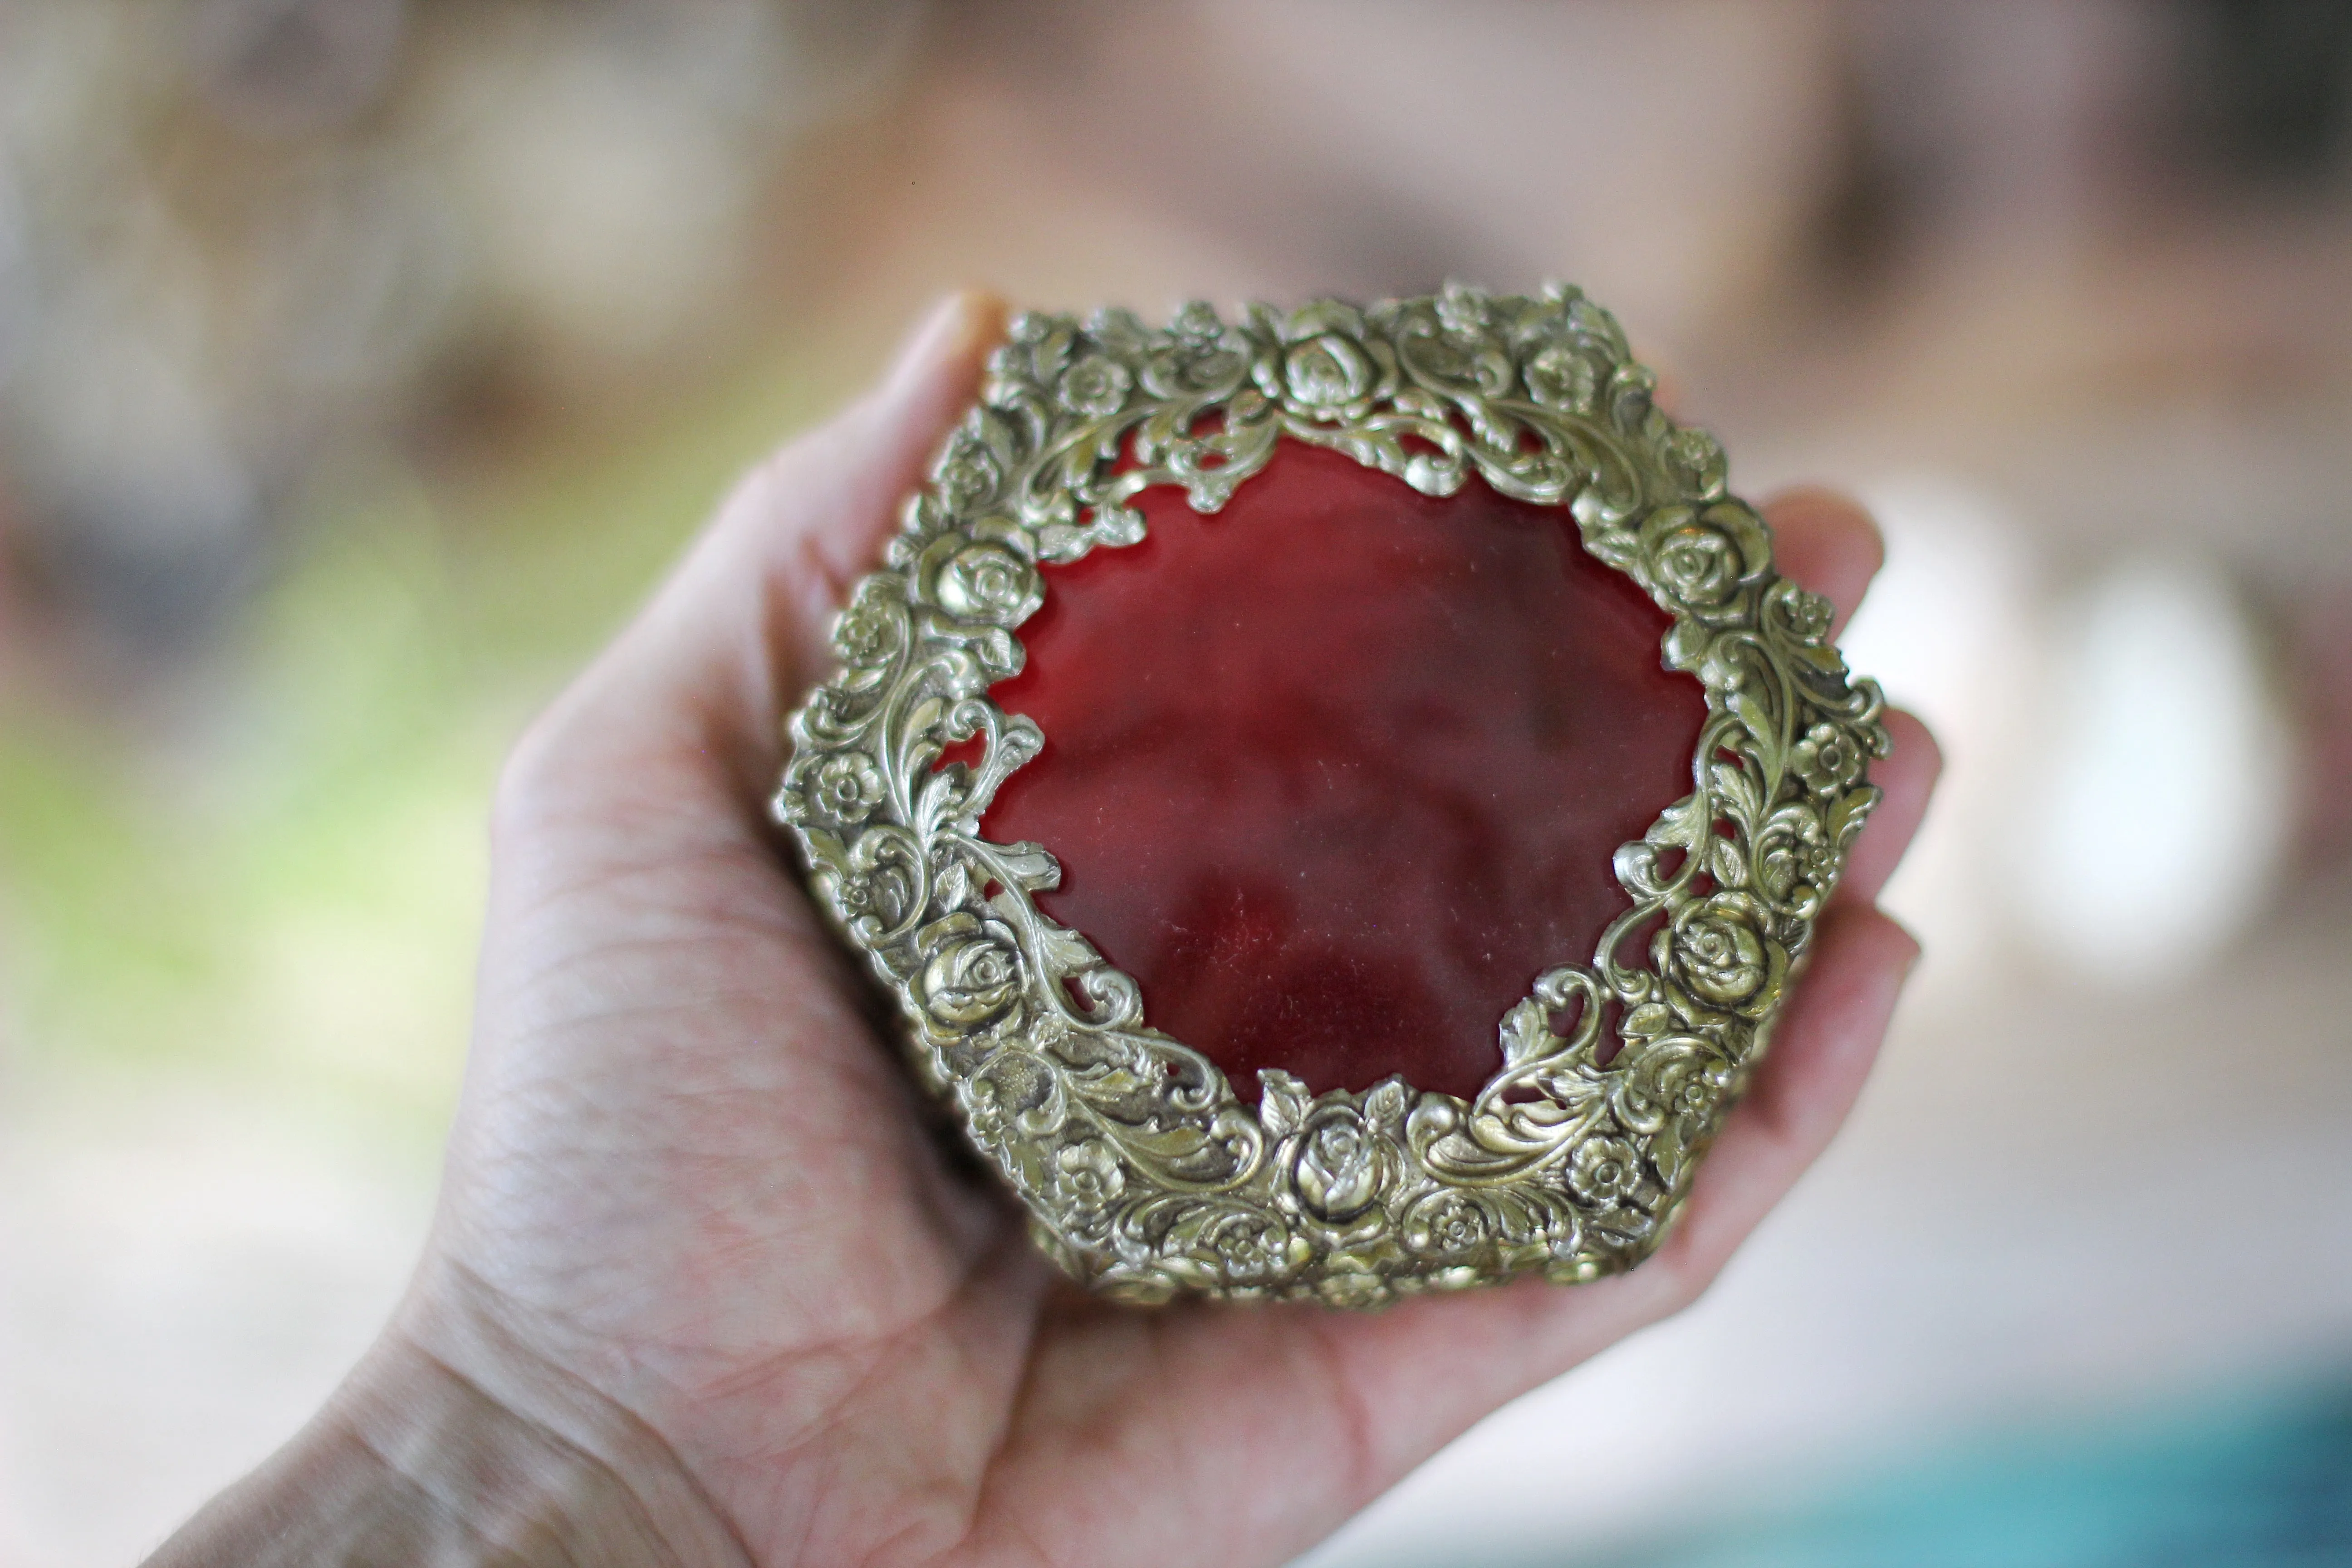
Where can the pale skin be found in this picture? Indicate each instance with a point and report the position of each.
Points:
(705, 1286)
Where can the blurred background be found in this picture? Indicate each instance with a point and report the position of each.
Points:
(362, 363)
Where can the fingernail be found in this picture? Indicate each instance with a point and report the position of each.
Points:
(950, 330)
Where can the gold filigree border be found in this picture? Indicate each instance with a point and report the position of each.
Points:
(1145, 1174)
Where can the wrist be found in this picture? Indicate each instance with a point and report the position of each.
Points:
(414, 1461)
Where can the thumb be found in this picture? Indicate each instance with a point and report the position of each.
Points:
(738, 633)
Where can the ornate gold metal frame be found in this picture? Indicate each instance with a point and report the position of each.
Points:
(1146, 1174)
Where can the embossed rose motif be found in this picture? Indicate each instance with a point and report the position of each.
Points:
(875, 887)
(1675, 1078)
(1828, 759)
(985, 1111)
(1200, 358)
(1807, 616)
(1253, 1250)
(979, 580)
(1604, 1171)
(995, 1097)
(1695, 1094)
(1326, 372)
(1795, 857)
(1716, 953)
(1089, 1177)
(847, 787)
(1696, 459)
(865, 634)
(1687, 1084)
(883, 894)
(1095, 386)
(1448, 1225)
(1560, 377)
(1819, 863)
(1336, 1168)
(1703, 557)
(968, 472)
(971, 973)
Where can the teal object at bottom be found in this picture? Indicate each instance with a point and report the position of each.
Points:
(2251, 1483)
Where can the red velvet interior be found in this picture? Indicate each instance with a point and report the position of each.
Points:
(1336, 772)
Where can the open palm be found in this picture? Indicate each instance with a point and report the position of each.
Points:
(699, 1233)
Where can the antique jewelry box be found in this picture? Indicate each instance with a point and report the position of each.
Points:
(1336, 797)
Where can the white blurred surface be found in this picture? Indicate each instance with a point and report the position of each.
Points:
(2057, 1191)
(2171, 777)
(1950, 629)
(186, 1273)
(2093, 1165)
(2049, 1202)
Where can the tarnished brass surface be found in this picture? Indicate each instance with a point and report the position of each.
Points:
(1145, 1174)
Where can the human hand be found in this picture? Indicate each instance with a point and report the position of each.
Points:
(703, 1285)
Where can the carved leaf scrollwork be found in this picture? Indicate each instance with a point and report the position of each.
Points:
(1146, 1174)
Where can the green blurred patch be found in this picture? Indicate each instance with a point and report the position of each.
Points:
(278, 869)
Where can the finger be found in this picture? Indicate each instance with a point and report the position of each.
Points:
(814, 517)
(738, 632)
(1827, 544)
(1908, 778)
(1345, 1404)
(1821, 1053)
(1360, 1400)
